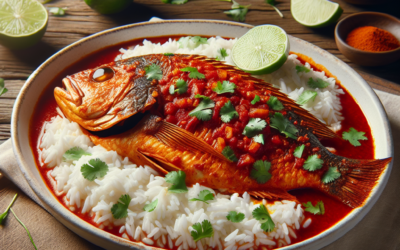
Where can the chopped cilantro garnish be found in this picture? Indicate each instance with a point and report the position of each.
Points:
(2, 89)
(255, 100)
(313, 163)
(302, 69)
(254, 127)
(306, 96)
(260, 171)
(330, 175)
(96, 169)
(203, 111)
(57, 11)
(204, 196)
(222, 54)
(199, 40)
(203, 230)
(229, 154)
(353, 136)
(153, 72)
(279, 122)
(274, 103)
(178, 2)
(259, 138)
(225, 87)
(272, 3)
(181, 87)
(191, 42)
(298, 152)
(318, 209)
(151, 206)
(74, 154)
(194, 73)
(177, 179)
(261, 214)
(319, 83)
(228, 112)
(168, 54)
(120, 209)
(238, 12)
(235, 216)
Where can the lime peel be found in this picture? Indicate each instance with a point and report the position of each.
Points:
(315, 13)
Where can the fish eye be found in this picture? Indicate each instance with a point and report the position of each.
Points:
(103, 74)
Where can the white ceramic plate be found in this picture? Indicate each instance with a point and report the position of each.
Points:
(39, 79)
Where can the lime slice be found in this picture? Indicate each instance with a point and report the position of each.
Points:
(315, 13)
(262, 50)
(22, 23)
(108, 6)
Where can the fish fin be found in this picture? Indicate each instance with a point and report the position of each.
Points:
(272, 194)
(358, 178)
(163, 163)
(147, 161)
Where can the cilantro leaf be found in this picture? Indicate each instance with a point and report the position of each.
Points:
(222, 54)
(194, 73)
(261, 214)
(274, 103)
(182, 87)
(204, 196)
(238, 12)
(203, 230)
(175, 1)
(120, 209)
(177, 179)
(229, 154)
(313, 163)
(255, 126)
(228, 112)
(2, 89)
(255, 100)
(74, 154)
(151, 206)
(260, 171)
(57, 11)
(319, 83)
(259, 138)
(96, 169)
(330, 175)
(225, 87)
(281, 123)
(301, 68)
(203, 111)
(235, 216)
(306, 96)
(197, 40)
(272, 3)
(168, 54)
(353, 136)
(298, 152)
(318, 209)
(153, 72)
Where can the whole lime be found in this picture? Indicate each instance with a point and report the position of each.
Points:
(108, 6)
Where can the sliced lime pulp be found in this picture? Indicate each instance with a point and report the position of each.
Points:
(315, 13)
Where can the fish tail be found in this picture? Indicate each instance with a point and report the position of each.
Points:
(358, 178)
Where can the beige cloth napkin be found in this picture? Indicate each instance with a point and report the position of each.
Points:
(380, 229)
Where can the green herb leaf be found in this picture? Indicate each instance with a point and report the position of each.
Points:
(229, 154)
(191, 42)
(182, 87)
(281, 123)
(120, 209)
(96, 169)
(301, 68)
(178, 2)
(201, 231)
(74, 154)
(331, 175)
(228, 112)
(26, 229)
(222, 54)
(318, 209)
(153, 71)
(259, 138)
(225, 87)
(168, 54)
(319, 83)
(204, 196)
(306, 96)
(313, 163)
(2, 89)
(274, 103)
(177, 179)
(261, 214)
(272, 3)
(197, 40)
(353, 136)
(255, 100)
(203, 111)
(4, 215)
(235, 216)
(194, 73)
(298, 152)
(254, 127)
(238, 12)
(151, 206)
(56, 11)
(260, 171)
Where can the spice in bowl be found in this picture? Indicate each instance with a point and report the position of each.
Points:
(371, 38)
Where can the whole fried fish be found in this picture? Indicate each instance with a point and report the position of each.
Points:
(225, 129)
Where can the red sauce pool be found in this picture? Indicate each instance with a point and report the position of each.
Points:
(334, 209)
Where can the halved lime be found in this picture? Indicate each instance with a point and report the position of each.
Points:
(108, 6)
(262, 50)
(22, 23)
(315, 13)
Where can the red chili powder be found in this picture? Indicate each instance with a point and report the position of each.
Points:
(371, 38)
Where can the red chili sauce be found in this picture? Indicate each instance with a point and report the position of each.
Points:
(334, 209)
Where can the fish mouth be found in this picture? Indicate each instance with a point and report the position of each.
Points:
(69, 92)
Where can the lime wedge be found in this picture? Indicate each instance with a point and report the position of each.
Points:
(262, 50)
(22, 23)
(315, 13)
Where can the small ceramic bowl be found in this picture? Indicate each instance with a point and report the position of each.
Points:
(367, 58)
